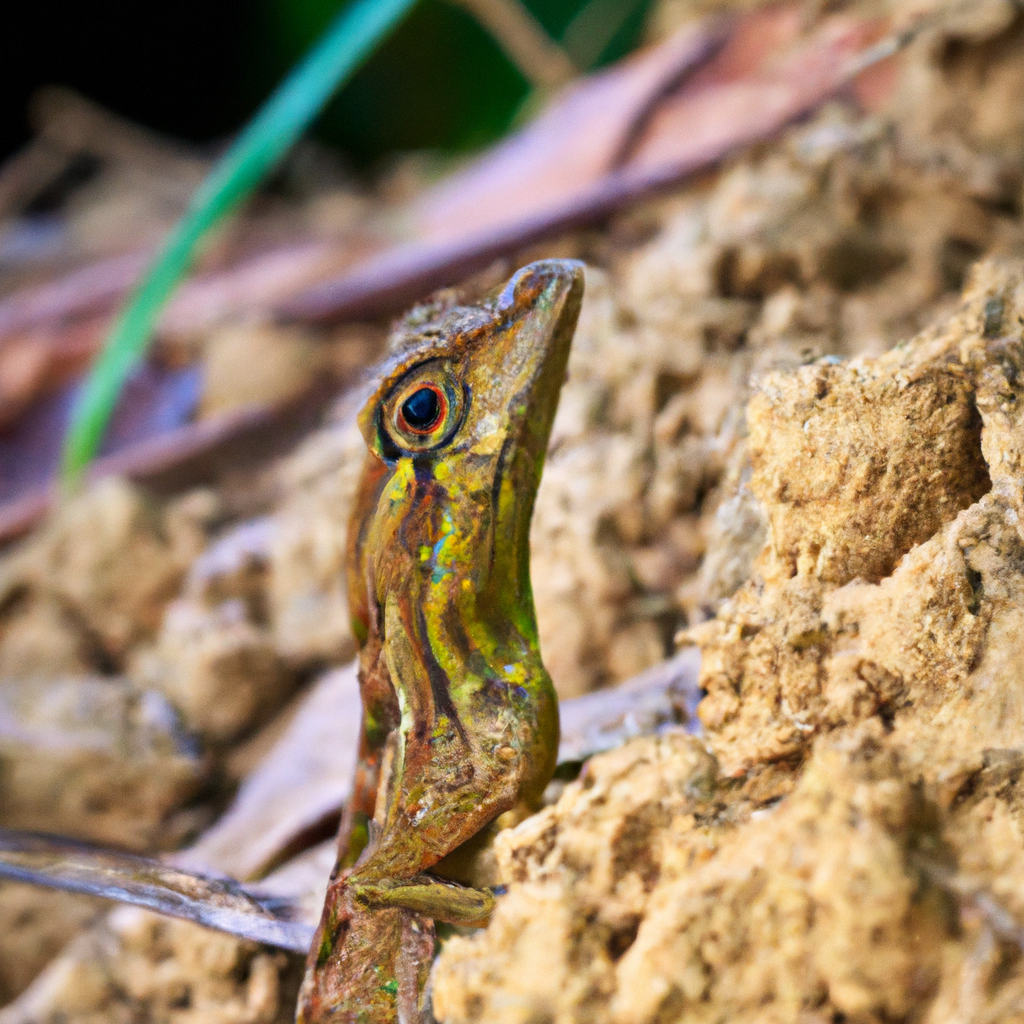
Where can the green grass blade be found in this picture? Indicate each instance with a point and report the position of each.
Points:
(266, 139)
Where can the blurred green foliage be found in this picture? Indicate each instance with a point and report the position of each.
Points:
(440, 82)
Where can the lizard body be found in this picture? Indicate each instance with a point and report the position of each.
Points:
(460, 719)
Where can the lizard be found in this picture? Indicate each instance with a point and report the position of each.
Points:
(460, 717)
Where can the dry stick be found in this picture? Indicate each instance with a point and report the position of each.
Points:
(398, 277)
(222, 903)
(717, 35)
(95, 287)
(538, 58)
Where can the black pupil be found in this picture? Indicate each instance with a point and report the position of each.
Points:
(421, 409)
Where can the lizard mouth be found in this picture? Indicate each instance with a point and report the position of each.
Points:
(542, 302)
(538, 308)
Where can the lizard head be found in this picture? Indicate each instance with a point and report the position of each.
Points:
(457, 428)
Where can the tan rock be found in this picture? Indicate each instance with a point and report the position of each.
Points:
(235, 566)
(39, 638)
(113, 558)
(258, 365)
(173, 970)
(306, 597)
(93, 758)
(218, 668)
(846, 618)
(35, 925)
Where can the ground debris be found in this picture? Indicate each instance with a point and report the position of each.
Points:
(112, 558)
(94, 758)
(137, 962)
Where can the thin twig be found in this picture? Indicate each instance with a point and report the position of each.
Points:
(541, 61)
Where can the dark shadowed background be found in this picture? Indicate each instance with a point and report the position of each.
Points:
(198, 68)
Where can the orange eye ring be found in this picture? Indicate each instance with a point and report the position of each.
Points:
(422, 412)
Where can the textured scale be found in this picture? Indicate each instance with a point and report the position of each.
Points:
(460, 720)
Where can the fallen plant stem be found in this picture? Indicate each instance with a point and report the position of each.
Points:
(537, 57)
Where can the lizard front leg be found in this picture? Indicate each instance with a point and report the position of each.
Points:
(460, 757)
(426, 895)
(444, 777)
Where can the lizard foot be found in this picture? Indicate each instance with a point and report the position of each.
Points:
(426, 895)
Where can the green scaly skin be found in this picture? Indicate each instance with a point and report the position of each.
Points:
(460, 720)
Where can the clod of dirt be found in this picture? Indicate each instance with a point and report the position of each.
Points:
(595, 856)
(307, 603)
(94, 758)
(234, 568)
(849, 487)
(257, 365)
(889, 572)
(218, 668)
(974, 134)
(39, 637)
(34, 927)
(112, 559)
(852, 850)
(177, 971)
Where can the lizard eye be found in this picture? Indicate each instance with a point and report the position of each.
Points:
(424, 409)
(421, 412)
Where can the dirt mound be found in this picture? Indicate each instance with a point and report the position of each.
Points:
(851, 850)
